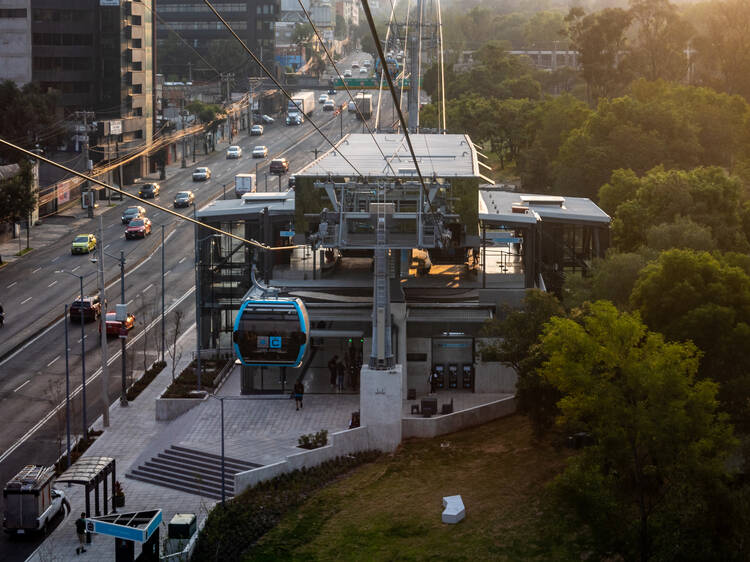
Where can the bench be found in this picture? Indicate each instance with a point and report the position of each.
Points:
(454, 510)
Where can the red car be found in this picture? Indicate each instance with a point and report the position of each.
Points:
(138, 228)
(113, 325)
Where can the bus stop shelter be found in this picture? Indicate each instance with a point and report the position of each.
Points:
(89, 472)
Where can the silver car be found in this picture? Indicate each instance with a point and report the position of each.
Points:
(260, 151)
(201, 174)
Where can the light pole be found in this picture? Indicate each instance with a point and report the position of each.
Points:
(162, 293)
(85, 433)
(223, 486)
(124, 389)
(67, 384)
(103, 334)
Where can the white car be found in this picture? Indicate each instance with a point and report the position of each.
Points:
(260, 151)
(234, 152)
(329, 105)
(267, 119)
(347, 73)
(294, 118)
(323, 98)
(355, 65)
(352, 107)
(201, 174)
(256, 130)
(367, 63)
(363, 70)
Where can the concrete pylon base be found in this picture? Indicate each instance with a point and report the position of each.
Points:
(380, 403)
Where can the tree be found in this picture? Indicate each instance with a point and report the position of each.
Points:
(658, 51)
(341, 28)
(657, 464)
(175, 354)
(600, 40)
(688, 295)
(611, 279)
(27, 117)
(545, 30)
(17, 197)
(513, 342)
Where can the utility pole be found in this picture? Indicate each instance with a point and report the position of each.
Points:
(124, 389)
(105, 374)
(183, 165)
(162, 293)
(67, 384)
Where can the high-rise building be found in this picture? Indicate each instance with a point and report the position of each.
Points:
(98, 55)
(252, 20)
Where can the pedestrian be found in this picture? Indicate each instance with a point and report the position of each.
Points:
(340, 369)
(333, 370)
(2, 316)
(81, 532)
(433, 382)
(299, 392)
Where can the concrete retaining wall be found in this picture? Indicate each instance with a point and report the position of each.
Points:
(440, 425)
(340, 443)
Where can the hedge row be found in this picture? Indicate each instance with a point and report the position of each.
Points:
(231, 531)
(139, 385)
(187, 380)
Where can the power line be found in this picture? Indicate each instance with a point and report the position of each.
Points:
(146, 202)
(276, 82)
(343, 81)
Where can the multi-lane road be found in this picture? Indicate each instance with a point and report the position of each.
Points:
(32, 374)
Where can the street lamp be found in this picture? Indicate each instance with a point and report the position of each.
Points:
(83, 355)
(67, 385)
(163, 331)
(223, 485)
(121, 259)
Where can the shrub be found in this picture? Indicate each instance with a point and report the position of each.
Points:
(187, 380)
(313, 440)
(139, 385)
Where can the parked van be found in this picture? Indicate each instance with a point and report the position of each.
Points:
(244, 183)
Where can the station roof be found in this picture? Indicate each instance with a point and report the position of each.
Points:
(510, 207)
(250, 204)
(444, 156)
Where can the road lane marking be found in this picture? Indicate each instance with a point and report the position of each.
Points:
(24, 384)
(57, 258)
(128, 303)
(77, 391)
(37, 269)
(149, 287)
(27, 300)
(107, 246)
(84, 337)
(182, 260)
(167, 272)
(51, 362)
(53, 283)
(9, 286)
(76, 267)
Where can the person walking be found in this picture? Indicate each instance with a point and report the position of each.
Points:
(299, 392)
(333, 369)
(340, 370)
(81, 532)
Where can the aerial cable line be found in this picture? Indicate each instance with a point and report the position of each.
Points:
(149, 203)
(386, 72)
(330, 58)
(406, 42)
(276, 82)
(442, 63)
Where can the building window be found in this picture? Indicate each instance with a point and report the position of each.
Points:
(135, 20)
(137, 88)
(41, 15)
(13, 13)
(137, 65)
(62, 63)
(138, 111)
(65, 39)
(137, 43)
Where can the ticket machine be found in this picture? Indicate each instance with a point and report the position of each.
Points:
(452, 376)
(438, 373)
(468, 375)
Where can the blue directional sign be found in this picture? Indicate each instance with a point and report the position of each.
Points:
(135, 526)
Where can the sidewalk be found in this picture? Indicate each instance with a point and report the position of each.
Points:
(256, 429)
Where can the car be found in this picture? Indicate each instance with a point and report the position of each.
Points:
(86, 308)
(332, 92)
(132, 213)
(184, 199)
(355, 64)
(114, 325)
(256, 130)
(201, 174)
(368, 63)
(267, 119)
(234, 152)
(294, 119)
(279, 166)
(260, 151)
(323, 98)
(363, 70)
(83, 244)
(329, 105)
(149, 190)
(292, 182)
(347, 73)
(138, 228)
(352, 107)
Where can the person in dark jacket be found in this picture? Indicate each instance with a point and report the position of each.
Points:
(340, 370)
(299, 392)
(81, 532)
(333, 369)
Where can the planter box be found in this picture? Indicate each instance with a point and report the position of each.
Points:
(119, 501)
(168, 409)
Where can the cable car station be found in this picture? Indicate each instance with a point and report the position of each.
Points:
(382, 271)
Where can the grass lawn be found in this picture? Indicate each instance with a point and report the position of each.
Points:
(390, 509)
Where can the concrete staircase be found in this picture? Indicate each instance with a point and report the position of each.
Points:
(191, 471)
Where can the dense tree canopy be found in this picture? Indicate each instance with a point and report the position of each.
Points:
(656, 467)
(27, 117)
